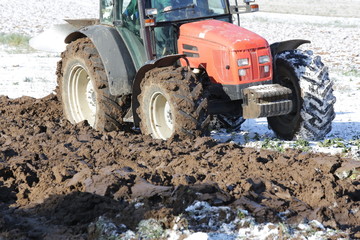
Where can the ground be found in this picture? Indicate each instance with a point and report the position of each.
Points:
(63, 181)
(56, 179)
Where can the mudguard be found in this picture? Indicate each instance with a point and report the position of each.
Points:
(119, 66)
(161, 62)
(286, 45)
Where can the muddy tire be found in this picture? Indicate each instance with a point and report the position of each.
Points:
(172, 104)
(83, 88)
(313, 97)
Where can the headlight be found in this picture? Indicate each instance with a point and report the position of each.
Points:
(242, 72)
(243, 62)
(266, 68)
(264, 59)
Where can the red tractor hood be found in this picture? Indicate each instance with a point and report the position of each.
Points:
(224, 33)
(216, 46)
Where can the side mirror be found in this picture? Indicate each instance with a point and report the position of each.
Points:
(151, 12)
(248, 8)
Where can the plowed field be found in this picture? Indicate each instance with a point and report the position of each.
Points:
(56, 179)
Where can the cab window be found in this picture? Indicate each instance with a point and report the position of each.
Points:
(106, 13)
(175, 10)
(130, 16)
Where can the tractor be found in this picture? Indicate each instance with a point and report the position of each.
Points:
(171, 68)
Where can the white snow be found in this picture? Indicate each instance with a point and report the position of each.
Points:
(198, 236)
(27, 74)
(245, 227)
(33, 16)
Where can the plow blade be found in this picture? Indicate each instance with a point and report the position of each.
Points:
(52, 39)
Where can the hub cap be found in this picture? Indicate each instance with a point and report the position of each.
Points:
(82, 97)
(160, 116)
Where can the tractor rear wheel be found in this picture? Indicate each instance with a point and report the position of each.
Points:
(313, 99)
(84, 91)
(172, 104)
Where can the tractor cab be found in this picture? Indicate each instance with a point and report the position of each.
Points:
(154, 24)
(164, 20)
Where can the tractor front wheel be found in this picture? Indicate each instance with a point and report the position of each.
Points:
(312, 95)
(172, 103)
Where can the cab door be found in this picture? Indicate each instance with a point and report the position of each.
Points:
(127, 22)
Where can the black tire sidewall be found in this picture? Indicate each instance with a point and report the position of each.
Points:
(286, 126)
(312, 95)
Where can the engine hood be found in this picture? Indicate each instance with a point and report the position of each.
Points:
(216, 46)
(223, 33)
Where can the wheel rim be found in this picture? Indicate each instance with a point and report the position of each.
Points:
(160, 116)
(82, 97)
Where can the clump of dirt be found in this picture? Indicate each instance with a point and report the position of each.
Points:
(57, 178)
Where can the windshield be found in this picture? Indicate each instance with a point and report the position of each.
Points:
(173, 10)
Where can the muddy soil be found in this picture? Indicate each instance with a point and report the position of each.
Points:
(57, 178)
